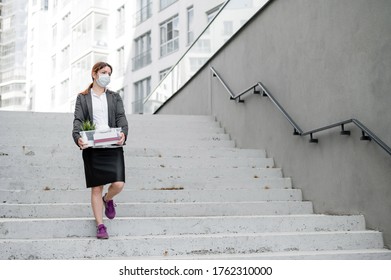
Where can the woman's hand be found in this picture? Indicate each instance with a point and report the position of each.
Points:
(122, 140)
(82, 144)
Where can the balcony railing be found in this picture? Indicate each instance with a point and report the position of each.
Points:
(138, 107)
(141, 60)
(143, 14)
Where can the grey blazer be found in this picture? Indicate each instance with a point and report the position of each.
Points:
(83, 112)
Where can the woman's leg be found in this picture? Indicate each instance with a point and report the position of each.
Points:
(114, 189)
(97, 204)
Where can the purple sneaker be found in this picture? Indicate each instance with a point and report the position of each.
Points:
(101, 232)
(109, 206)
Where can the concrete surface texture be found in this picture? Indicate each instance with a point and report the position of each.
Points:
(190, 194)
(325, 62)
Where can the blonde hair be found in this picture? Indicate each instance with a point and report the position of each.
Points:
(95, 69)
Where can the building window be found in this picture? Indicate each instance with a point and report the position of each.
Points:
(203, 46)
(53, 65)
(197, 63)
(169, 36)
(53, 96)
(190, 27)
(45, 5)
(211, 13)
(65, 2)
(163, 73)
(228, 28)
(142, 51)
(165, 3)
(100, 30)
(121, 61)
(144, 11)
(65, 58)
(54, 35)
(66, 24)
(79, 79)
(82, 35)
(120, 21)
(64, 91)
(141, 90)
(32, 34)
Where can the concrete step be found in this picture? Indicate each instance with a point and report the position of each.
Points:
(141, 174)
(78, 210)
(152, 196)
(78, 183)
(143, 162)
(148, 143)
(16, 119)
(61, 152)
(362, 254)
(141, 134)
(187, 245)
(134, 129)
(178, 136)
(85, 227)
(33, 117)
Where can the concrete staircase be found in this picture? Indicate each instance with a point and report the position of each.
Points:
(190, 194)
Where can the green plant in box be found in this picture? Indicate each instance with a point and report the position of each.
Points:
(87, 125)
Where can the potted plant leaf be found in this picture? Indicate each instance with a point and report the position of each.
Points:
(87, 132)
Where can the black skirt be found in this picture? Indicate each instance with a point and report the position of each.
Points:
(103, 166)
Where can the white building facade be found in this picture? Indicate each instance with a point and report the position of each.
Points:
(164, 29)
(13, 52)
(63, 39)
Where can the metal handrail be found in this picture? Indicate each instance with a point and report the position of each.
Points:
(367, 134)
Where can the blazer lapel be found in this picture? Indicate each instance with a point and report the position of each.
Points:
(110, 104)
(89, 106)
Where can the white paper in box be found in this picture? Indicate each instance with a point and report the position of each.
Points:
(110, 137)
(97, 138)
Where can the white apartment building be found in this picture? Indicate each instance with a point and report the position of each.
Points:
(13, 40)
(141, 39)
(82, 34)
(38, 60)
(63, 39)
(164, 29)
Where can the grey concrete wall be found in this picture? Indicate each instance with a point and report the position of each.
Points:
(325, 61)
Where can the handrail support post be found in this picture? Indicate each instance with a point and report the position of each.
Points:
(313, 140)
(343, 131)
(365, 137)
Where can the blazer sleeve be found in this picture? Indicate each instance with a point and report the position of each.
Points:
(78, 119)
(120, 116)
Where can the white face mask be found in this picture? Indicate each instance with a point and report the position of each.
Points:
(103, 80)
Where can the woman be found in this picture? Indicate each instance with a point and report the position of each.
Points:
(101, 165)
